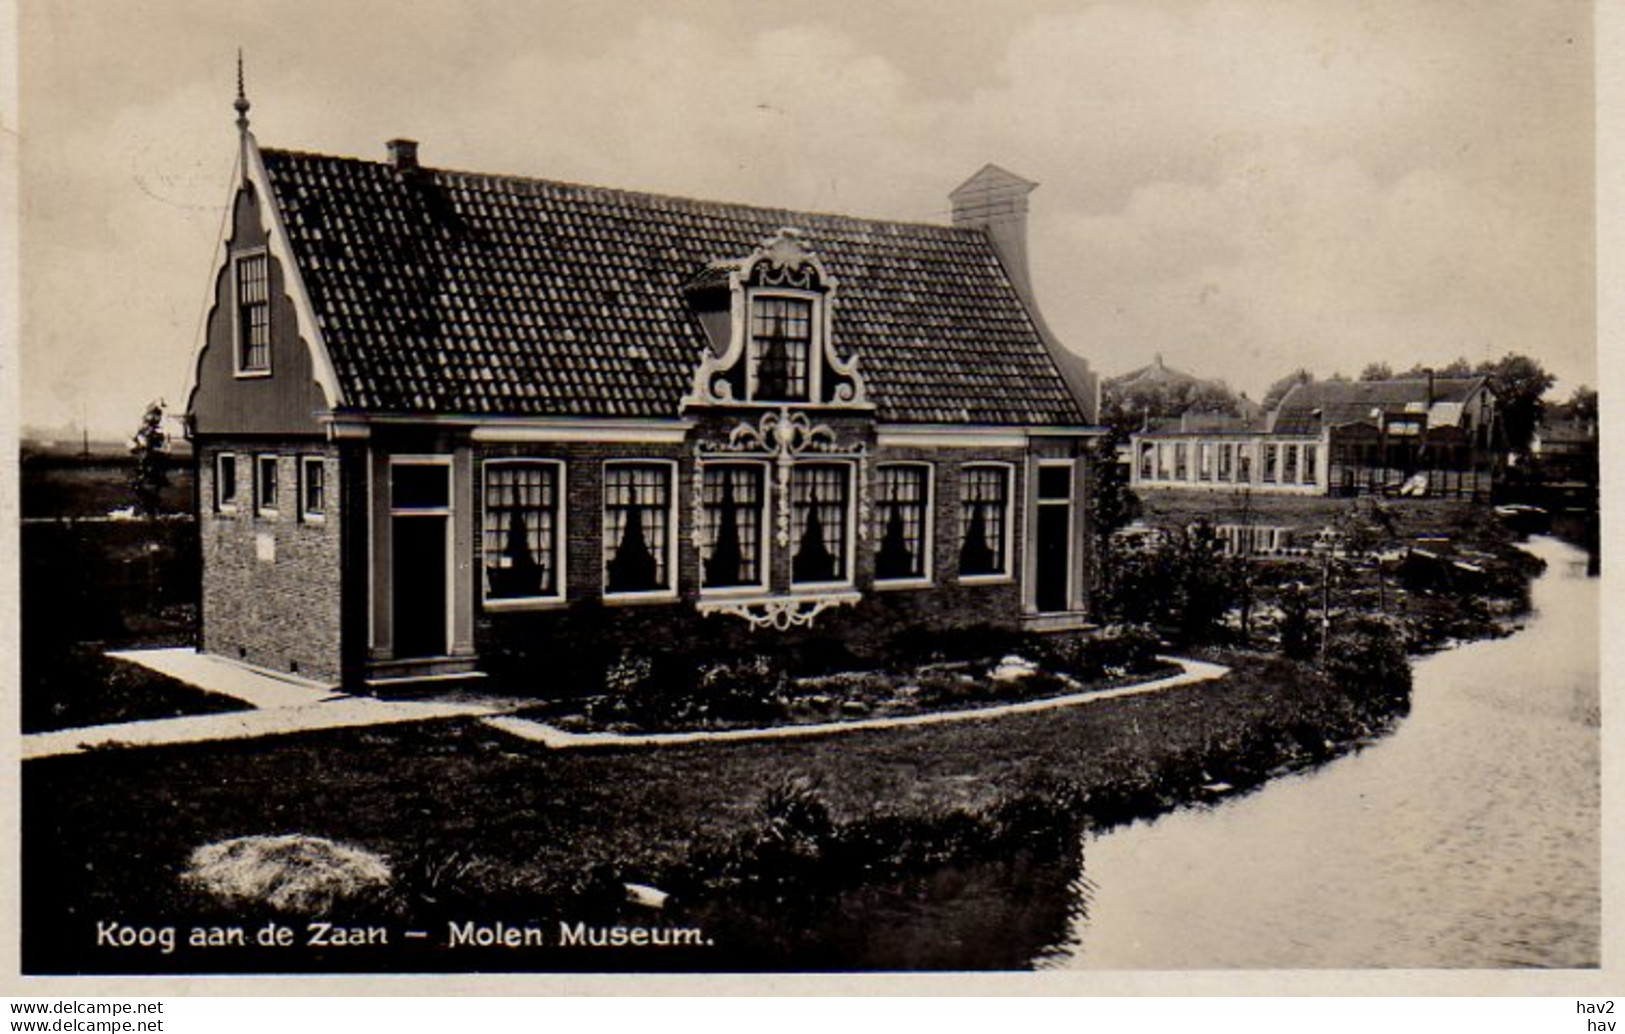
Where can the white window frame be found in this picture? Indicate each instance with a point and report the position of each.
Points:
(815, 343)
(260, 508)
(221, 503)
(306, 514)
(927, 528)
(1008, 572)
(561, 536)
(849, 563)
(764, 559)
(670, 592)
(237, 341)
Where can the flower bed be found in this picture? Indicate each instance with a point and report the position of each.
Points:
(645, 694)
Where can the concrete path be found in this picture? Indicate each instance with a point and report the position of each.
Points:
(558, 739)
(256, 686)
(282, 704)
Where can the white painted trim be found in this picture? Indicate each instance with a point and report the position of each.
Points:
(672, 573)
(928, 527)
(650, 433)
(561, 537)
(953, 439)
(371, 547)
(310, 330)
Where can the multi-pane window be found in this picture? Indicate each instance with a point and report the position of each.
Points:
(1311, 455)
(1204, 462)
(731, 538)
(1289, 464)
(637, 527)
(521, 528)
(984, 504)
(1226, 459)
(1148, 458)
(265, 484)
(902, 494)
(1164, 451)
(1269, 461)
(253, 314)
(225, 481)
(1244, 464)
(781, 349)
(820, 522)
(312, 488)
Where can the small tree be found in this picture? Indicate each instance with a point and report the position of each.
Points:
(150, 447)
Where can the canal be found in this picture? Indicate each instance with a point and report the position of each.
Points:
(1467, 838)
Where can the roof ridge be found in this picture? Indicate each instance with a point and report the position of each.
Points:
(647, 195)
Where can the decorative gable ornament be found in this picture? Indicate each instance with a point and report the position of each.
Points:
(783, 266)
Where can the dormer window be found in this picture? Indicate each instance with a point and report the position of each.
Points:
(769, 320)
(781, 340)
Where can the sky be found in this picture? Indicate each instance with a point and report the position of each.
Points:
(1243, 187)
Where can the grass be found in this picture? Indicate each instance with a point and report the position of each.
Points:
(487, 824)
(85, 687)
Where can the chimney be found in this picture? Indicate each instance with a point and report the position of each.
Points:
(995, 202)
(403, 154)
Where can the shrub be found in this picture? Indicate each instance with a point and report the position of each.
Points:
(1366, 658)
(916, 646)
(1087, 656)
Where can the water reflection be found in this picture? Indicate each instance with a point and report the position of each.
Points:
(1468, 838)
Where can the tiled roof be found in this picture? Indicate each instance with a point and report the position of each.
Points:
(459, 293)
(1309, 407)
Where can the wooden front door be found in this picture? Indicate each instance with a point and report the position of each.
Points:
(419, 585)
(420, 557)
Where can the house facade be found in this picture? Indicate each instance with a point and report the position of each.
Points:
(438, 413)
(1429, 436)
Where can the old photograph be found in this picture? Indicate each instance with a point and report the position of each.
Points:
(723, 488)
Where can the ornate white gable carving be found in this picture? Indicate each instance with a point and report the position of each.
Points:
(782, 263)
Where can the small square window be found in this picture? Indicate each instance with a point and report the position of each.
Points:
(265, 484)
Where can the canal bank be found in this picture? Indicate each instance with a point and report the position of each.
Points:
(1468, 838)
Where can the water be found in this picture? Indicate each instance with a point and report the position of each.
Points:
(1468, 838)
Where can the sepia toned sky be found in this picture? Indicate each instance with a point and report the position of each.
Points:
(1241, 186)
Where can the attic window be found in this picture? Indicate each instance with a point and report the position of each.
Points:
(781, 337)
(253, 315)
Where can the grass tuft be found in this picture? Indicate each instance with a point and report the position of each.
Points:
(293, 873)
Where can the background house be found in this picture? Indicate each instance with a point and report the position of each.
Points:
(437, 414)
(1432, 436)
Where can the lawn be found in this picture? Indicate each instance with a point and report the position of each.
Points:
(476, 823)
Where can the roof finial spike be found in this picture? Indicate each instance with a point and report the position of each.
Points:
(241, 104)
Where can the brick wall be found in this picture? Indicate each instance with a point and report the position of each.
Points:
(271, 584)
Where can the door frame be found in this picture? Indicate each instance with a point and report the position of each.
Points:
(447, 514)
(1036, 552)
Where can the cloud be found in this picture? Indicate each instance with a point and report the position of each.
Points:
(1242, 186)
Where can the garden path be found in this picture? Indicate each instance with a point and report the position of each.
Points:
(559, 739)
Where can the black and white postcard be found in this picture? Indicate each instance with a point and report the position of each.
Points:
(1104, 492)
